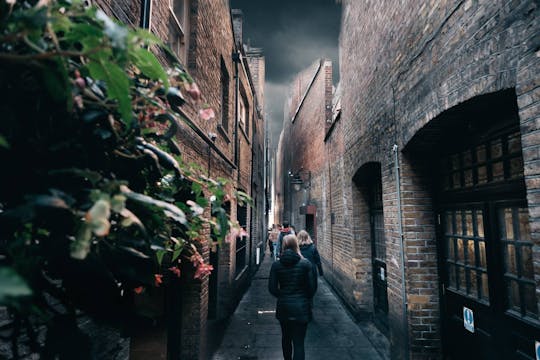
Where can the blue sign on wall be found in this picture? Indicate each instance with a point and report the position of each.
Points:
(468, 319)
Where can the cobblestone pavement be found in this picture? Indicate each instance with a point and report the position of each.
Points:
(254, 332)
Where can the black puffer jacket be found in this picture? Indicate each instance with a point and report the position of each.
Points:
(310, 252)
(293, 283)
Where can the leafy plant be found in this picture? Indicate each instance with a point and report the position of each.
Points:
(95, 203)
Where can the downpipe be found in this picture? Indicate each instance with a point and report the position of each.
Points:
(236, 60)
(402, 251)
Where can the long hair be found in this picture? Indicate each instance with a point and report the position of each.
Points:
(304, 238)
(291, 242)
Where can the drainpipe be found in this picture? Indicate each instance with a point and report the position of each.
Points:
(402, 251)
(331, 223)
(236, 60)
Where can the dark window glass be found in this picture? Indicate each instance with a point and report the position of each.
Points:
(466, 253)
(224, 97)
(496, 160)
(518, 262)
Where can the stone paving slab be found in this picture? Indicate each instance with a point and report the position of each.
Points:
(254, 333)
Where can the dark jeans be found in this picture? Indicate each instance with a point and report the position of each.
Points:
(293, 334)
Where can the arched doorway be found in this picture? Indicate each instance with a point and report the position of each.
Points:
(368, 182)
(488, 291)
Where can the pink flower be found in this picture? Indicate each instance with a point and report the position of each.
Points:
(196, 259)
(175, 270)
(202, 270)
(207, 113)
(234, 232)
(78, 100)
(80, 83)
(243, 233)
(193, 91)
(158, 279)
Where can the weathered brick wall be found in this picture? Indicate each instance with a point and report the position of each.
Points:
(257, 67)
(127, 11)
(402, 64)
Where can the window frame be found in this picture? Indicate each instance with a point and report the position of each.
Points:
(181, 26)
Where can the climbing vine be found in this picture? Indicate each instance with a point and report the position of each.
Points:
(96, 205)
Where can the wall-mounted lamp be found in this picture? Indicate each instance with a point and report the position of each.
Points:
(301, 179)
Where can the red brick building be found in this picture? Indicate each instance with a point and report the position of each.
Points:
(427, 220)
(231, 79)
(300, 152)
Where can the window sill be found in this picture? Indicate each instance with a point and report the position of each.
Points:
(223, 133)
(182, 32)
(245, 134)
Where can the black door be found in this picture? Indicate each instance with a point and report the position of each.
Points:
(310, 227)
(485, 251)
(380, 297)
(213, 283)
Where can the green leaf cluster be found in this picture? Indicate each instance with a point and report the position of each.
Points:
(96, 199)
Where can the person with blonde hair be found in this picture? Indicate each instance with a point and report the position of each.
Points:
(293, 282)
(309, 251)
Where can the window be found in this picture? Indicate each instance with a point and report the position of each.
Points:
(377, 221)
(465, 253)
(224, 97)
(242, 111)
(493, 161)
(518, 261)
(178, 27)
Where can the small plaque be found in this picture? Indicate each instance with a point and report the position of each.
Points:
(468, 319)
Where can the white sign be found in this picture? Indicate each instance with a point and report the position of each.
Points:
(537, 349)
(468, 319)
(382, 274)
(258, 256)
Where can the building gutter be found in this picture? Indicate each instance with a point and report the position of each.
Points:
(236, 59)
(402, 251)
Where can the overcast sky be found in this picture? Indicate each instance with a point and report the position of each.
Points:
(293, 34)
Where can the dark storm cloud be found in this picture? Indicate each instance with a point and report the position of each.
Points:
(293, 34)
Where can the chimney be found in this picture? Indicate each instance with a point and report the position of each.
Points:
(237, 18)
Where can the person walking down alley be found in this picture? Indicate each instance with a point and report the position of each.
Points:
(309, 251)
(285, 230)
(273, 241)
(293, 282)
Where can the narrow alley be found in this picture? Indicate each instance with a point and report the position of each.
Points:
(254, 332)
(153, 152)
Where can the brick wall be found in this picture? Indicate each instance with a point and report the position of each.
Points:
(402, 64)
(303, 132)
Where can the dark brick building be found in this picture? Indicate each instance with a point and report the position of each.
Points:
(431, 175)
(231, 79)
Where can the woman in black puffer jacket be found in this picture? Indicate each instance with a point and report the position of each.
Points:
(293, 283)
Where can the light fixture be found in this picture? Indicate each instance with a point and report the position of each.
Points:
(297, 182)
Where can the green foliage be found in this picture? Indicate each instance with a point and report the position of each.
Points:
(93, 207)
(13, 286)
